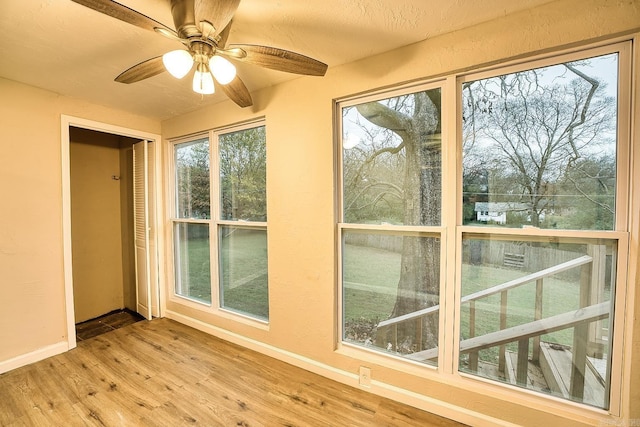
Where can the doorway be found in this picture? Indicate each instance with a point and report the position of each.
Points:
(101, 169)
(99, 223)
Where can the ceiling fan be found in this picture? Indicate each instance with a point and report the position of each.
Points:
(203, 27)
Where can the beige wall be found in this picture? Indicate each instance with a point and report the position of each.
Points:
(32, 303)
(300, 187)
(300, 208)
(96, 226)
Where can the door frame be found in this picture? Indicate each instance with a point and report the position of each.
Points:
(66, 123)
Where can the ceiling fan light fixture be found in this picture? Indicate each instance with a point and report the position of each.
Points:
(223, 70)
(203, 81)
(177, 62)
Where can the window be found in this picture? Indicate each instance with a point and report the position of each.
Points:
(528, 245)
(242, 230)
(390, 228)
(537, 307)
(232, 231)
(191, 225)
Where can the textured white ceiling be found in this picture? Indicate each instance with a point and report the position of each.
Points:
(69, 49)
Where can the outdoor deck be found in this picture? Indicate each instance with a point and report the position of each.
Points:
(550, 374)
(575, 371)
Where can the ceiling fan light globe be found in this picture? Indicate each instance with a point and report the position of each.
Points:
(177, 62)
(203, 83)
(223, 70)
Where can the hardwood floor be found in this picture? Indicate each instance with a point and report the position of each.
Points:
(162, 373)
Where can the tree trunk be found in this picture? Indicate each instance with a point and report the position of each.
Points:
(419, 283)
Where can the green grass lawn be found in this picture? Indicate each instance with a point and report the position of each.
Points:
(194, 270)
(243, 269)
(370, 284)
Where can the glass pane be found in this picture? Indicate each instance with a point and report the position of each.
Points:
(537, 314)
(192, 261)
(392, 160)
(539, 147)
(243, 271)
(391, 288)
(243, 175)
(192, 179)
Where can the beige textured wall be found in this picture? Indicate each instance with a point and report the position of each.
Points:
(300, 188)
(301, 198)
(32, 307)
(96, 228)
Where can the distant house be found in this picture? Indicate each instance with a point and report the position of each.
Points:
(497, 211)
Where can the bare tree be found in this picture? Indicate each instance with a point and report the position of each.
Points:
(535, 126)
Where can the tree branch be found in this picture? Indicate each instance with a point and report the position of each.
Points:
(385, 117)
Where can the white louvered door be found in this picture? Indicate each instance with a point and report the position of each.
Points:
(142, 228)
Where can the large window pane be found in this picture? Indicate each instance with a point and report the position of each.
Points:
(243, 271)
(192, 261)
(539, 147)
(392, 175)
(391, 160)
(243, 175)
(192, 179)
(390, 294)
(537, 314)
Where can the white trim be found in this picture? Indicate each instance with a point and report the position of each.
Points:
(415, 230)
(67, 257)
(451, 211)
(386, 92)
(378, 388)
(66, 122)
(213, 222)
(452, 230)
(34, 356)
(628, 387)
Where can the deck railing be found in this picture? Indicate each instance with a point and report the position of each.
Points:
(591, 310)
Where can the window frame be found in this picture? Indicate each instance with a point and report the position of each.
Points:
(175, 219)
(452, 229)
(438, 231)
(214, 223)
(620, 231)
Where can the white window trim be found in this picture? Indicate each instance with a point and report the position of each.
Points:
(213, 222)
(452, 231)
(440, 231)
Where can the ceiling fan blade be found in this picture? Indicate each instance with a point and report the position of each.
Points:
(224, 35)
(171, 34)
(184, 17)
(238, 92)
(123, 13)
(144, 70)
(281, 60)
(218, 12)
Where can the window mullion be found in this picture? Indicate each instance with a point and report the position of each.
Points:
(450, 186)
(214, 189)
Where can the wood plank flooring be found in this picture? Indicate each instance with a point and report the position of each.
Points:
(162, 373)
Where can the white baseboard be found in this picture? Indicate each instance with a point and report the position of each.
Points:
(34, 356)
(379, 388)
